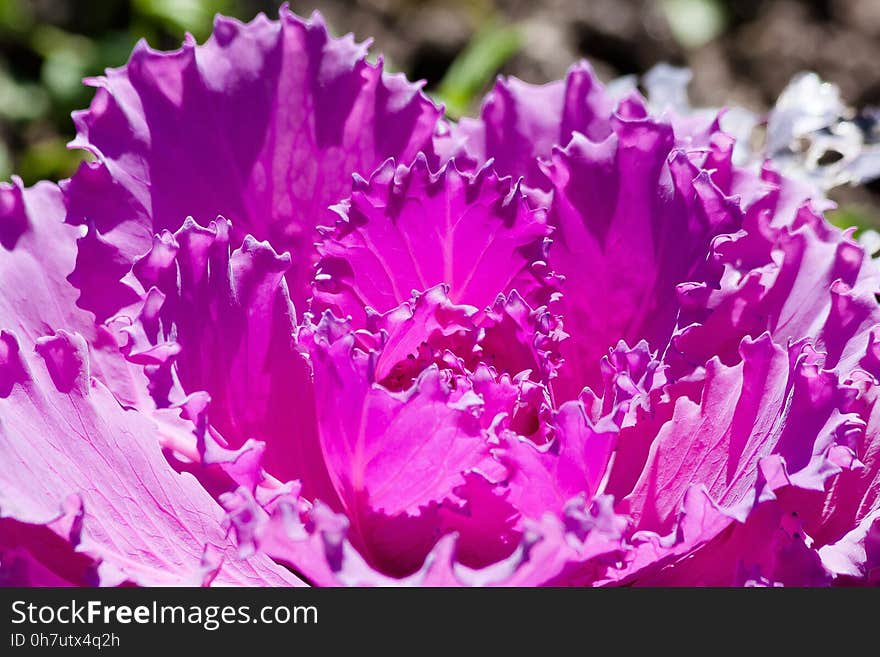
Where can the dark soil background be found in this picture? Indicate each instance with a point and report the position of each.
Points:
(740, 52)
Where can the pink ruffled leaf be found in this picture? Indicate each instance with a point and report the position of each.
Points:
(585, 545)
(222, 324)
(632, 220)
(799, 280)
(544, 478)
(264, 123)
(773, 404)
(520, 123)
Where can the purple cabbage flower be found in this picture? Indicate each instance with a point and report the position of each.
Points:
(289, 326)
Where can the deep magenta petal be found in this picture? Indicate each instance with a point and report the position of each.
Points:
(408, 229)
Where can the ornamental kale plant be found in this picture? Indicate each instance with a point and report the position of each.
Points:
(291, 326)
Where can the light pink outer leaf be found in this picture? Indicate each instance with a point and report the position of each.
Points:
(74, 460)
(37, 254)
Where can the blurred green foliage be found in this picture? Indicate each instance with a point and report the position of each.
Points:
(694, 23)
(475, 68)
(859, 215)
(178, 16)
